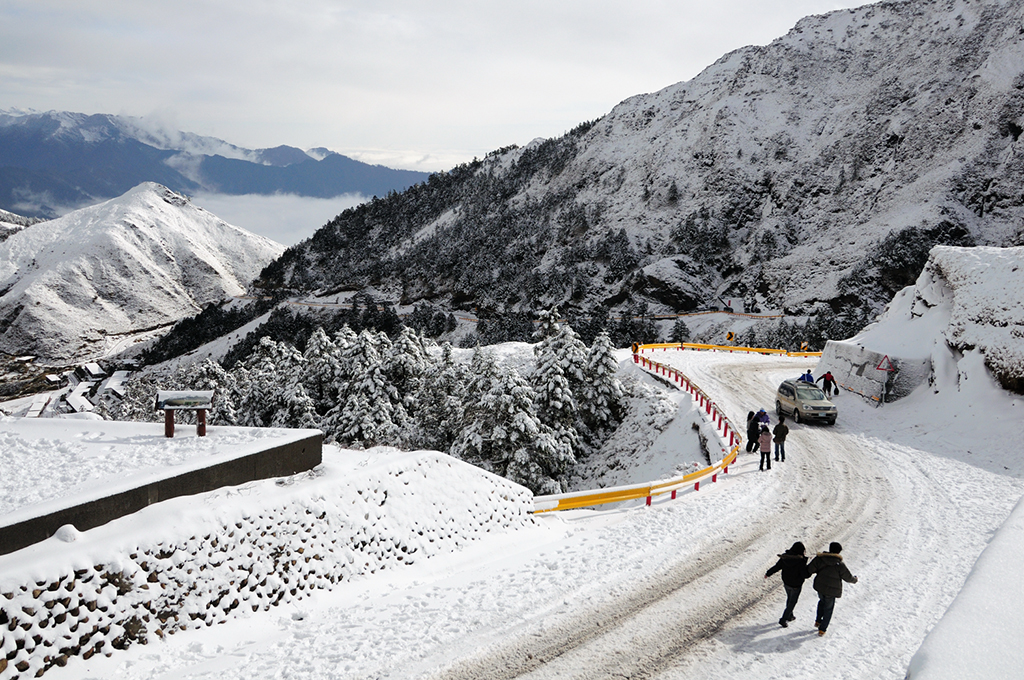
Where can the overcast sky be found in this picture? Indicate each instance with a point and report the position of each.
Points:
(407, 83)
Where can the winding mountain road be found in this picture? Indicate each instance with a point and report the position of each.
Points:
(710, 613)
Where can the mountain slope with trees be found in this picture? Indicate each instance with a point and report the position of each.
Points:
(809, 176)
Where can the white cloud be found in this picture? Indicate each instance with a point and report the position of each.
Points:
(285, 218)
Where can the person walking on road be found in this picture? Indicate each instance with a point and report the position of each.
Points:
(753, 431)
(780, 432)
(807, 377)
(793, 565)
(830, 572)
(829, 384)
(765, 440)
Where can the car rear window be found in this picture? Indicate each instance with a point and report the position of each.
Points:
(810, 394)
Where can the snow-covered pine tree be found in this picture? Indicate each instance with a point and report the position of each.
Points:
(270, 366)
(299, 408)
(547, 323)
(680, 332)
(366, 413)
(441, 402)
(405, 366)
(209, 375)
(502, 432)
(554, 400)
(320, 370)
(601, 397)
(560, 373)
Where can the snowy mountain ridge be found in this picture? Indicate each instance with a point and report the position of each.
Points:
(55, 159)
(84, 284)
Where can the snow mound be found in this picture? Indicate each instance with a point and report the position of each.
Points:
(75, 287)
(963, 645)
(193, 562)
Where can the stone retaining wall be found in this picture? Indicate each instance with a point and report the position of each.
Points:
(855, 367)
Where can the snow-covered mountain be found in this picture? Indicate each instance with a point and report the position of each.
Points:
(58, 158)
(11, 223)
(812, 175)
(90, 281)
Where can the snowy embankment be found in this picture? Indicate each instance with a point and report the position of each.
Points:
(979, 637)
(192, 562)
(962, 318)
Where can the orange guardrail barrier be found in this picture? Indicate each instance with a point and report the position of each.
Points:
(725, 348)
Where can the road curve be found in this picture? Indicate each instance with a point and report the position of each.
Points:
(829, 489)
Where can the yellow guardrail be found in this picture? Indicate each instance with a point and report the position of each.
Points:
(586, 499)
(724, 348)
(650, 490)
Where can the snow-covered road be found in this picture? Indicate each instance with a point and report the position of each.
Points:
(671, 591)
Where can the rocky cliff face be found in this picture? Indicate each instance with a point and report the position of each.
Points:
(87, 283)
(810, 175)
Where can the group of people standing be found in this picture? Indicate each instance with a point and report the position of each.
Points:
(759, 437)
(829, 573)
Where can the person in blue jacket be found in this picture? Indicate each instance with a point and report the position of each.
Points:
(807, 377)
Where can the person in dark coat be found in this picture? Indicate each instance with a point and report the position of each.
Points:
(830, 572)
(753, 431)
(780, 432)
(793, 565)
(829, 383)
(765, 441)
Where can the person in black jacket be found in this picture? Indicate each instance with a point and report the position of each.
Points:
(831, 572)
(753, 431)
(780, 432)
(793, 565)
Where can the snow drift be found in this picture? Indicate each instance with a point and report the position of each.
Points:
(72, 288)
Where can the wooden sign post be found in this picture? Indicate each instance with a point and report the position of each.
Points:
(170, 401)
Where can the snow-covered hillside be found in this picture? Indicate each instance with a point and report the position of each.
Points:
(810, 175)
(11, 223)
(81, 285)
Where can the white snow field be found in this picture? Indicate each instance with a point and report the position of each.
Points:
(675, 590)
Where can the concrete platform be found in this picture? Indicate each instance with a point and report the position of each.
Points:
(88, 472)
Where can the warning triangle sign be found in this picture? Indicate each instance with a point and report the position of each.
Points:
(885, 364)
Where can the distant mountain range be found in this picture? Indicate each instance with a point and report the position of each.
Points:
(91, 282)
(55, 160)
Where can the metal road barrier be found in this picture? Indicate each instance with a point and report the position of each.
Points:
(723, 427)
(586, 499)
(725, 348)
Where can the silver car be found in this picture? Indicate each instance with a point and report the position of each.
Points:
(805, 402)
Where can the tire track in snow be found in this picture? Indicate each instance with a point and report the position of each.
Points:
(646, 630)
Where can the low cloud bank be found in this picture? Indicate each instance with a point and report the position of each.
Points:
(285, 218)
